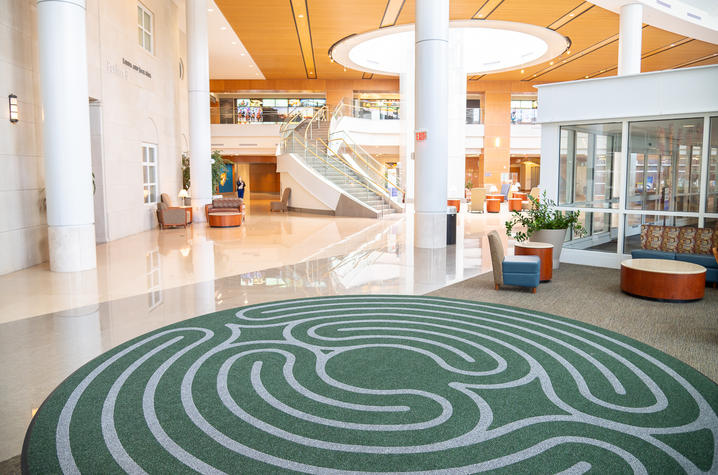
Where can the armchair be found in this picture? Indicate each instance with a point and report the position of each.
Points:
(478, 198)
(171, 216)
(522, 271)
(282, 205)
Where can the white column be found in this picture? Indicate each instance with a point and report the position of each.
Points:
(407, 119)
(629, 39)
(431, 108)
(457, 116)
(200, 140)
(66, 134)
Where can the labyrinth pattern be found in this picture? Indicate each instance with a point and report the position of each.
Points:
(369, 384)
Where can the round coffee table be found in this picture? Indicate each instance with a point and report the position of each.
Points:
(493, 205)
(663, 279)
(224, 219)
(543, 250)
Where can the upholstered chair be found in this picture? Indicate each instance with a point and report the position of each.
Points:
(282, 205)
(478, 199)
(522, 271)
(527, 203)
(505, 189)
(168, 216)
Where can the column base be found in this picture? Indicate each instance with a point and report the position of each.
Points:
(72, 248)
(429, 230)
(198, 215)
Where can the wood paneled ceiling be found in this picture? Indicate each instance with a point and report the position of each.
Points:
(278, 40)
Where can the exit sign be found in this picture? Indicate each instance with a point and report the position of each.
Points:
(420, 135)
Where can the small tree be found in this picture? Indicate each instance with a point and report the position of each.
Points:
(185, 171)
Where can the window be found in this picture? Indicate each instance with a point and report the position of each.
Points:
(589, 165)
(712, 182)
(144, 28)
(149, 172)
(665, 165)
(524, 110)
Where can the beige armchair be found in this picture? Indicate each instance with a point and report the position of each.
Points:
(282, 205)
(478, 198)
(171, 216)
(535, 192)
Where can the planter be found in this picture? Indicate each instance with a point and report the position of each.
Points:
(551, 236)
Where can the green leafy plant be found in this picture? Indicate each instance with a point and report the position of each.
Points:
(185, 171)
(469, 185)
(219, 166)
(542, 215)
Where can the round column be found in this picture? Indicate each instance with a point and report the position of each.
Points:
(629, 40)
(200, 135)
(66, 134)
(432, 112)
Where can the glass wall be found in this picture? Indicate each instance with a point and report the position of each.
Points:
(665, 165)
(252, 110)
(524, 110)
(663, 179)
(712, 182)
(589, 164)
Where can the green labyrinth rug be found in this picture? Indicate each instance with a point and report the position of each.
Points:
(378, 384)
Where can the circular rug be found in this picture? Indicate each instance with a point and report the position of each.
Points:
(378, 384)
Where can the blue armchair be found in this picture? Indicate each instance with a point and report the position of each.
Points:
(522, 271)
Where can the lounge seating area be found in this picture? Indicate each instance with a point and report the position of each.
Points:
(688, 244)
(168, 215)
(225, 212)
(283, 204)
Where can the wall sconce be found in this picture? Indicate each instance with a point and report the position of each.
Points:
(14, 112)
(497, 142)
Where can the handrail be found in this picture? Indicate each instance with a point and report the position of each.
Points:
(321, 113)
(308, 149)
(348, 165)
(378, 172)
(296, 112)
(354, 145)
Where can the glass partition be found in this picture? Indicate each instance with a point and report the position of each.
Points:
(602, 233)
(589, 164)
(712, 182)
(632, 240)
(664, 165)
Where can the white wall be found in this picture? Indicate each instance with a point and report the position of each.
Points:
(23, 223)
(133, 109)
(246, 139)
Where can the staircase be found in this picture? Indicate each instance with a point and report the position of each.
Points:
(334, 168)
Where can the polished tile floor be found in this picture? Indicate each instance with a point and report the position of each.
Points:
(51, 323)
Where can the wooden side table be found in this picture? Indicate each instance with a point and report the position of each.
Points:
(515, 204)
(188, 210)
(543, 250)
(493, 205)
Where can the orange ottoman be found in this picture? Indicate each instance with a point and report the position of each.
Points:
(493, 206)
(515, 204)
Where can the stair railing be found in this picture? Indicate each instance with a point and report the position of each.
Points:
(319, 115)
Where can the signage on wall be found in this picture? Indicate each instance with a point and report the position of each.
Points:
(135, 67)
(420, 135)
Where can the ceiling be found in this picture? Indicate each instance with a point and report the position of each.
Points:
(290, 39)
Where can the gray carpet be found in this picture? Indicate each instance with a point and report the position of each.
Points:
(687, 331)
(11, 466)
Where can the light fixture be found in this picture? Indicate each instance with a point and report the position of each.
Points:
(522, 71)
(14, 112)
(241, 54)
(210, 10)
(222, 28)
(234, 42)
(300, 16)
(551, 63)
(497, 142)
(568, 52)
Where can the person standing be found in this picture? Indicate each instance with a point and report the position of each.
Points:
(240, 187)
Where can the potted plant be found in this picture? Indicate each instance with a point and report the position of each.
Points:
(544, 223)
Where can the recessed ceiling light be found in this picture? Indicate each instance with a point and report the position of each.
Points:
(241, 54)
(522, 71)
(586, 77)
(222, 28)
(571, 14)
(672, 45)
(234, 42)
(551, 63)
(300, 16)
(568, 52)
(480, 15)
(210, 10)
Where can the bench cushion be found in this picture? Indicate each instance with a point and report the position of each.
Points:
(521, 264)
(652, 254)
(707, 261)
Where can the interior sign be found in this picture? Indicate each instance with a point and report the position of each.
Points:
(136, 68)
(420, 135)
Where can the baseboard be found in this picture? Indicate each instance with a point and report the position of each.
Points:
(325, 212)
